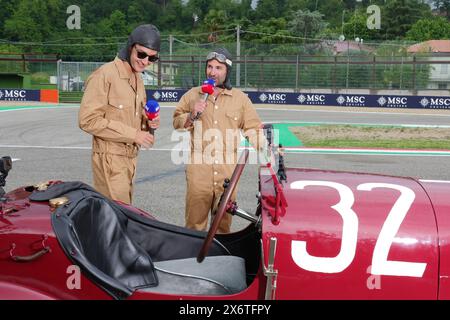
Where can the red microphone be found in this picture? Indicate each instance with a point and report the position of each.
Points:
(207, 89)
(152, 111)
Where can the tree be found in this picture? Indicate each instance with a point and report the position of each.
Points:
(269, 31)
(176, 18)
(429, 29)
(7, 9)
(443, 6)
(332, 11)
(33, 20)
(199, 7)
(267, 9)
(214, 21)
(306, 23)
(357, 27)
(399, 15)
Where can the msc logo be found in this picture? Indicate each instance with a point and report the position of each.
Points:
(13, 94)
(169, 95)
(440, 102)
(393, 101)
(273, 97)
(397, 100)
(351, 100)
(277, 97)
(356, 99)
(424, 102)
(166, 95)
(263, 97)
(156, 95)
(312, 98)
(381, 101)
(340, 100)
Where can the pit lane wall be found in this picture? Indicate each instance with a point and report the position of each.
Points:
(326, 99)
(42, 95)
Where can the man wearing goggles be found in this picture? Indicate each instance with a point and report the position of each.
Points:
(112, 111)
(219, 57)
(211, 119)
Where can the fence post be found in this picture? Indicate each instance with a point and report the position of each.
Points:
(159, 74)
(172, 76)
(78, 75)
(58, 74)
(245, 71)
(414, 74)
(24, 64)
(261, 73)
(401, 75)
(193, 70)
(200, 77)
(374, 73)
(348, 64)
(296, 75)
(334, 73)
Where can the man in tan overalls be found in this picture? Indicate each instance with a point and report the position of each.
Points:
(215, 126)
(112, 110)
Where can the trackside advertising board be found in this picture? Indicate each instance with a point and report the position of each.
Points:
(325, 99)
(43, 95)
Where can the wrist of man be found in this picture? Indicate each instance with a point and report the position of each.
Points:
(192, 118)
(189, 121)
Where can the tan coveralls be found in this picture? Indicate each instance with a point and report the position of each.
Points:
(210, 154)
(112, 110)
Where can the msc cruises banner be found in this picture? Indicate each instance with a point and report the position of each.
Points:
(42, 95)
(325, 99)
(19, 95)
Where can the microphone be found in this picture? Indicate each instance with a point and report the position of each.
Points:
(207, 89)
(151, 111)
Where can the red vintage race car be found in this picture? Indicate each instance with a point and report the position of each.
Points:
(314, 235)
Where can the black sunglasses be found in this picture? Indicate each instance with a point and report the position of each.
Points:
(142, 55)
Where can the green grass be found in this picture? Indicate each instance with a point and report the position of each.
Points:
(388, 144)
(353, 136)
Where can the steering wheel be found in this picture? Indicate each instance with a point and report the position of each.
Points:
(223, 205)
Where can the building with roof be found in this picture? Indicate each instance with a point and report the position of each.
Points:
(438, 52)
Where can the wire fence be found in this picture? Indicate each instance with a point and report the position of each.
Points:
(286, 66)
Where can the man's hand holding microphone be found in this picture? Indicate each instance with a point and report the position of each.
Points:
(200, 106)
(147, 138)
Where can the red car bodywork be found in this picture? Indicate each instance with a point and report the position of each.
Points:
(341, 236)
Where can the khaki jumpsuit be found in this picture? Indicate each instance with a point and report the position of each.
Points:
(112, 111)
(213, 158)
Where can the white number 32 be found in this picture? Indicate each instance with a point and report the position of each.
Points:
(380, 264)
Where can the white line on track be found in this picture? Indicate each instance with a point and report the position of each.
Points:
(363, 124)
(290, 150)
(345, 111)
(37, 108)
(259, 108)
(359, 112)
(76, 148)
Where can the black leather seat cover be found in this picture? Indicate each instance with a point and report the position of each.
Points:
(92, 230)
(115, 246)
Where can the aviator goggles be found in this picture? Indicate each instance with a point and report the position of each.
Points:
(142, 55)
(219, 57)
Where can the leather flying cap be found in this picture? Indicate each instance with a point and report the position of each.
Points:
(146, 35)
(223, 56)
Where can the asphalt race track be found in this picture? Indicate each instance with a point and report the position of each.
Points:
(50, 146)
